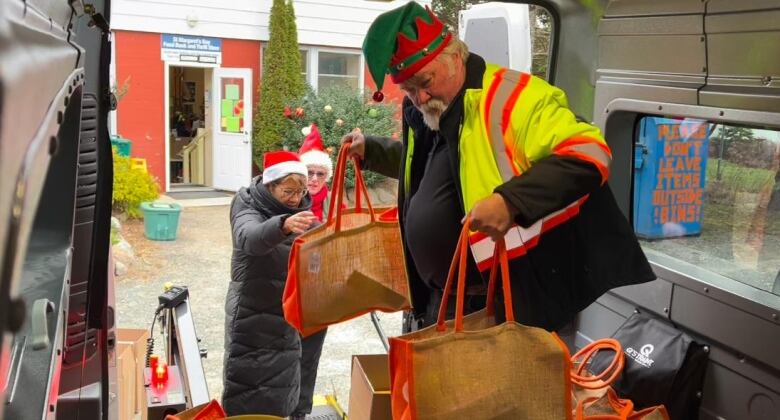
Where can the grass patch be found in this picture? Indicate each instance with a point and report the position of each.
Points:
(735, 177)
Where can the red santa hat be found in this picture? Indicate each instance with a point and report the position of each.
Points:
(277, 165)
(313, 151)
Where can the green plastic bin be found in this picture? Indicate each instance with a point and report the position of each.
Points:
(161, 220)
(123, 146)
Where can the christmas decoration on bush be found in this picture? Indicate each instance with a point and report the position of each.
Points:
(337, 111)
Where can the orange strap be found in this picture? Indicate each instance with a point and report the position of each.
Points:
(459, 265)
(623, 408)
(335, 210)
(597, 381)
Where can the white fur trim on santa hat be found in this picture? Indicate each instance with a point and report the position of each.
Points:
(316, 157)
(281, 170)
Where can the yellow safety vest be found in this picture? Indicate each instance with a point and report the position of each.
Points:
(515, 120)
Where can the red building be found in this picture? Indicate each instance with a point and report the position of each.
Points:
(192, 73)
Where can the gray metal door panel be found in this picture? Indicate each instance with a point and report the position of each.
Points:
(651, 7)
(742, 54)
(721, 6)
(598, 321)
(732, 327)
(654, 58)
(728, 395)
(646, 54)
(655, 296)
(668, 44)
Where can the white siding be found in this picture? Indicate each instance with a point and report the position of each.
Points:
(337, 23)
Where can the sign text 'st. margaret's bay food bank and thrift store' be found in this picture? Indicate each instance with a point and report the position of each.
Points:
(186, 48)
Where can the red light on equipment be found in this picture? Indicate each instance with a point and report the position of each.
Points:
(153, 361)
(160, 374)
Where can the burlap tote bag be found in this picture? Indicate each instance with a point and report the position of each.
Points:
(592, 395)
(473, 368)
(347, 267)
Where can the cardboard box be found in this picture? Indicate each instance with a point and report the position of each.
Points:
(126, 377)
(369, 394)
(131, 359)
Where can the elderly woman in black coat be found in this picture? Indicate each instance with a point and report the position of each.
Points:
(269, 369)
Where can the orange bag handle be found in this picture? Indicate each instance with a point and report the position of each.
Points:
(336, 206)
(338, 174)
(586, 353)
(459, 265)
(624, 408)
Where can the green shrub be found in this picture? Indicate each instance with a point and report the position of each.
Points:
(281, 80)
(131, 187)
(337, 111)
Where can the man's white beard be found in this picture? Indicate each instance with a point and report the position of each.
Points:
(432, 111)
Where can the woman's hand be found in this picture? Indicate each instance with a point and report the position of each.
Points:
(298, 222)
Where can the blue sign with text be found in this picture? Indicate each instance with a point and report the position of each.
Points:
(191, 43)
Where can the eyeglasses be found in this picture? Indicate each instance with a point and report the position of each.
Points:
(287, 193)
(317, 174)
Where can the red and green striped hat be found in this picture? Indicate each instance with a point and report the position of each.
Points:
(401, 42)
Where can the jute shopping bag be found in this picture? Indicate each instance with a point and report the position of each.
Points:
(474, 368)
(347, 267)
(592, 395)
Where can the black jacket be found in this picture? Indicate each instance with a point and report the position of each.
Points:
(573, 264)
(262, 351)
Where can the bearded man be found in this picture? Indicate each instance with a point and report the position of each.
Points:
(502, 148)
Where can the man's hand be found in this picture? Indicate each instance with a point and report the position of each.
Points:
(358, 146)
(491, 216)
(298, 222)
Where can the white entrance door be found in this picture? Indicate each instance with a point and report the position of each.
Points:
(232, 127)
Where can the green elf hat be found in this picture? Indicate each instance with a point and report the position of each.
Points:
(401, 42)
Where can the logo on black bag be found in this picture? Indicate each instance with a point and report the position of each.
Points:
(642, 356)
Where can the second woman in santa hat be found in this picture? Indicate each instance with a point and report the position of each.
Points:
(317, 160)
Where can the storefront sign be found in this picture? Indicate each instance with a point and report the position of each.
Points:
(192, 49)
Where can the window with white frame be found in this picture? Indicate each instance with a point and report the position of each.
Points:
(330, 68)
(338, 69)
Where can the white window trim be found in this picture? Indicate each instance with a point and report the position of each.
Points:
(307, 50)
(313, 63)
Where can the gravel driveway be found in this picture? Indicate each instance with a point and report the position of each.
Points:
(200, 259)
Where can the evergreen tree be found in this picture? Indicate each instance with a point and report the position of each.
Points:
(281, 80)
(448, 10)
(297, 86)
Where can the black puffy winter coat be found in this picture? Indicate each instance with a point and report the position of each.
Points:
(262, 351)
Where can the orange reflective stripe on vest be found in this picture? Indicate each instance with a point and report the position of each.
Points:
(586, 149)
(501, 99)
